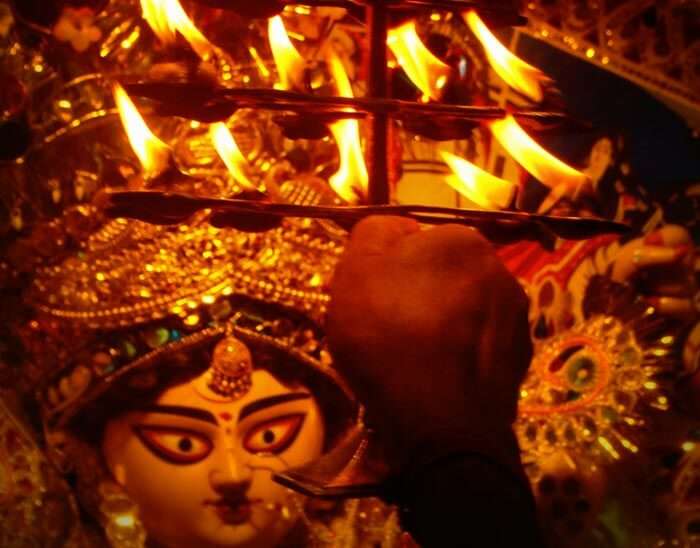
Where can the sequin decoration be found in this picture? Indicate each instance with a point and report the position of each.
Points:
(586, 389)
(131, 272)
(35, 507)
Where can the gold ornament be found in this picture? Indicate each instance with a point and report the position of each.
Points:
(587, 388)
(229, 376)
(137, 293)
(122, 525)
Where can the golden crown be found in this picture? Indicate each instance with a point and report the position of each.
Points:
(137, 292)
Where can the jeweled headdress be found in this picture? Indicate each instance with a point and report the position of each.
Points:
(138, 292)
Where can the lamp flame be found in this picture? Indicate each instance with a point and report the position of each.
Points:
(153, 153)
(231, 155)
(514, 71)
(167, 17)
(351, 178)
(541, 164)
(426, 71)
(475, 184)
(290, 63)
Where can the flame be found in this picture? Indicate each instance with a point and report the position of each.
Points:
(477, 185)
(352, 173)
(541, 164)
(229, 152)
(426, 71)
(290, 63)
(515, 72)
(167, 17)
(153, 153)
(262, 68)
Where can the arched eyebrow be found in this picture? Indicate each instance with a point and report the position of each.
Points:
(181, 410)
(264, 403)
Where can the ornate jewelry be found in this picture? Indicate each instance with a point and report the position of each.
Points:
(138, 293)
(588, 385)
(231, 368)
(120, 514)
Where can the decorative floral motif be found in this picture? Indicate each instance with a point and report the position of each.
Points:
(587, 387)
(77, 27)
(656, 43)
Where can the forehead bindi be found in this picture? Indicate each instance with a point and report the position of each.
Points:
(225, 416)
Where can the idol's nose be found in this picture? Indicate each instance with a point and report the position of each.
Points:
(231, 477)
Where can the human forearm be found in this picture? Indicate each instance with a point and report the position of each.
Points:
(468, 500)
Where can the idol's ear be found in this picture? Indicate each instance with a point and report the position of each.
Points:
(354, 468)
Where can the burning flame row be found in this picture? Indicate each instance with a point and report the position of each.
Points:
(428, 73)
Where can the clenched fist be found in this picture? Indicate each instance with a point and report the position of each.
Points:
(431, 332)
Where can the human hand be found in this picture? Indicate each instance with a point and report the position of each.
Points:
(661, 265)
(430, 330)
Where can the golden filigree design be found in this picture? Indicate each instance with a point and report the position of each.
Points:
(655, 45)
(131, 272)
(589, 387)
(35, 507)
(137, 293)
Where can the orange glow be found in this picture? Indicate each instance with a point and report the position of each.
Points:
(290, 63)
(262, 68)
(426, 71)
(515, 72)
(351, 178)
(541, 164)
(166, 18)
(153, 153)
(229, 152)
(477, 185)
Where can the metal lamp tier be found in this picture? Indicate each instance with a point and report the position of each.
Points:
(208, 102)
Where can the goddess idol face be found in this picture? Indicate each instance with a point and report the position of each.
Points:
(198, 462)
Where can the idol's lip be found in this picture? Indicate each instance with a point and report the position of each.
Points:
(231, 502)
(234, 511)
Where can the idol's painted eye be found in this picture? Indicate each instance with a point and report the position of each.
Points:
(274, 436)
(175, 445)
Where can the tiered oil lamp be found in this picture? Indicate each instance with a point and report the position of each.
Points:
(303, 115)
(163, 195)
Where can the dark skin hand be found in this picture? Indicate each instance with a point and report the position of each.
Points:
(430, 330)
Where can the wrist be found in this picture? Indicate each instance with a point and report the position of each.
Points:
(435, 497)
(420, 470)
(497, 445)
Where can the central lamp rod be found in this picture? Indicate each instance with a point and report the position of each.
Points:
(378, 144)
